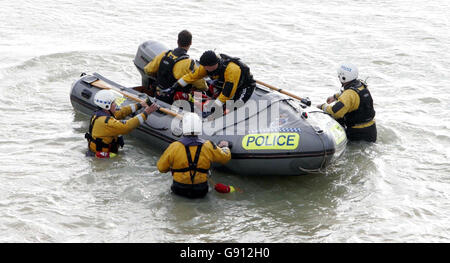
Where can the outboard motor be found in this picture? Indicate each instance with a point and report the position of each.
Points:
(145, 53)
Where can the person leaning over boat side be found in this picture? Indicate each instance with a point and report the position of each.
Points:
(238, 82)
(171, 65)
(353, 106)
(105, 126)
(190, 158)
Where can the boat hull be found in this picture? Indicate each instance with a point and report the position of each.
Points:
(296, 145)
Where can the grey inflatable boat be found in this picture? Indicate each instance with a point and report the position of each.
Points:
(271, 134)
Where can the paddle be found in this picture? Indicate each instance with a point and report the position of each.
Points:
(306, 101)
(103, 85)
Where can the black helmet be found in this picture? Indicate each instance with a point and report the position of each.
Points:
(209, 58)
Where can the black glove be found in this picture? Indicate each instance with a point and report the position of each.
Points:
(306, 101)
(148, 101)
(230, 145)
(120, 141)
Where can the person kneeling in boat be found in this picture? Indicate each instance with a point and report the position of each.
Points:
(353, 107)
(238, 82)
(190, 158)
(105, 126)
(171, 65)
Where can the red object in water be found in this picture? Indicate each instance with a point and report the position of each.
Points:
(221, 188)
(104, 155)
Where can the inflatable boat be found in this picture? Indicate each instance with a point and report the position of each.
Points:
(271, 134)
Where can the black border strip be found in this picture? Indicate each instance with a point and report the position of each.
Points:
(281, 155)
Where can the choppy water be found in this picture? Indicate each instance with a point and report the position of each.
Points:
(396, 190)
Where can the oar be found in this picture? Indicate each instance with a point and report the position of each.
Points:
(103, 85)
(305, 101)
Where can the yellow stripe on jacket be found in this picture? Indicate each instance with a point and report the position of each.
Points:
(174, 157)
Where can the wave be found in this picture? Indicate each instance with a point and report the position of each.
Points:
(45, 76)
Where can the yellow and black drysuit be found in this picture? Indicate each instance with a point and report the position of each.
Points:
(355, 107)
(189, 160)
(233, 75)
(105, 129)
(168, 67)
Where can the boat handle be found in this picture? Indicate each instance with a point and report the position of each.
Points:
(86, 94)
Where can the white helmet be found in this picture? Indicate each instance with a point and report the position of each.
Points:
(104, 98)
(192, 124)
(347, 72)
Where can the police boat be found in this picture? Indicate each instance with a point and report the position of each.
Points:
(271, 134)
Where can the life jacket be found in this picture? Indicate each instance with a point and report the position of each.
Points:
(164, 76)
(99, 144)
(245, 80)
(192, 168)
(365, 111)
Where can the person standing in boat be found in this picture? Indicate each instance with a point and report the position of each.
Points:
(171, 65)
(353, 107)
(105, 126)
(234, 76)
(190, 158)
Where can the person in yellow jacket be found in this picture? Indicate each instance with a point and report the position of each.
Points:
(353, 107)
(231, 74)
(105, 126)
(190, 158)
(171, 65)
